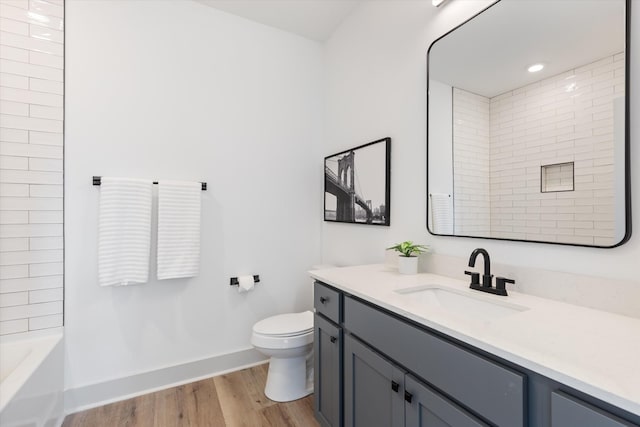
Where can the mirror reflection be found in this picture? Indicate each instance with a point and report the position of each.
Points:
(526, 124)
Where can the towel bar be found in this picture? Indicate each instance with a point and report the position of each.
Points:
(97, 180)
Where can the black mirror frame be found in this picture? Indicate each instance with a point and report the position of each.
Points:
(627, 161)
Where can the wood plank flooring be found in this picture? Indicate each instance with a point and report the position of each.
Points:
(232, 400)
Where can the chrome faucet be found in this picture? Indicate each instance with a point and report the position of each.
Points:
(487, 277)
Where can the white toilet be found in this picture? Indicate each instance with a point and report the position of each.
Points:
(288, 340)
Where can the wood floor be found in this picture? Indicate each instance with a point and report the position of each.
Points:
(235, 399)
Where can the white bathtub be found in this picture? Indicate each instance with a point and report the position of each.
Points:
(31, 380)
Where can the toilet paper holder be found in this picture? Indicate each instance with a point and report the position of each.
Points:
(234, 280)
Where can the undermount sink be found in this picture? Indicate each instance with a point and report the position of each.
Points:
(461, 303)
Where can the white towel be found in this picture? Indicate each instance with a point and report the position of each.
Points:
(441, 213)
(124, 231)
(178, 229)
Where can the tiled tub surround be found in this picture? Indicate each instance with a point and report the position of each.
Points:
(471, 163)
(31, 164)
(590, 350)
(565, 118)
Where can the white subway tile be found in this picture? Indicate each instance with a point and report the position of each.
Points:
(13, 271)
(44, 112)
(30, 177)
(46, 269)
(14, 217)
(31, 230)
(12, 80)
(45, 217)
(46, 8)
(31, 97)
(14, 108)
(13, 26)
(48, 86)
(44, 33)
(30, 123)
(22, 4)
(30, 16)
(46, 59)
(14, 298)
(14, 244)
(31, 257)
(14, 326)
(45, 164)
(46, 138)
(14, 190)
(38, 243)
(31, 283)
(29, 43)
(46, 191)
(14, 135)
(31, 150)
(12, 54)
(31, 310)
(31, 70)
(45, 295)
(44, 322)
(16, 163)
(27, 203)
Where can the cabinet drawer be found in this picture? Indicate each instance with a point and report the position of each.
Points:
(327, 301)
(567, 411)
(485, 387)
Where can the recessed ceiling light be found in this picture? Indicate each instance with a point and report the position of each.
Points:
(535, 68)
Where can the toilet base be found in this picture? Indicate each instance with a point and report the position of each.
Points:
(287, 379)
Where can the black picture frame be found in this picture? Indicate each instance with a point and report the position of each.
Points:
(357, 184)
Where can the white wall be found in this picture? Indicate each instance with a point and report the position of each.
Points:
(31, 99)
(378, 54)
(178, 90)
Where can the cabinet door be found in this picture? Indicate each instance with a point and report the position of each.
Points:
(373, 388)
(567, 411)
(327, 371)
(426, 408)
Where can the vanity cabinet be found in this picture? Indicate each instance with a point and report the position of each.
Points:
(570, 411)
(379, 393)
(374, 367)
(328, 348)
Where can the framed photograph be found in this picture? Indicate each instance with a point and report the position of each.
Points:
(357, 183)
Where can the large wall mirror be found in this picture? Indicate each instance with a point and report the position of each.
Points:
(527, 124)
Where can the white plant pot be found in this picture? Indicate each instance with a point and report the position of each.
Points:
(408, 264)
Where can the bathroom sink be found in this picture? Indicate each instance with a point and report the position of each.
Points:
(461, 303)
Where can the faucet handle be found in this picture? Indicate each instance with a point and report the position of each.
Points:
(501, 282)
(475, 277)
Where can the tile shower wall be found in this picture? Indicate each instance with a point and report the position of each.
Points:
(565, 118)
(31, 164)
(471, 154)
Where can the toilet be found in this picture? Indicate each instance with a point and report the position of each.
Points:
(288, 340)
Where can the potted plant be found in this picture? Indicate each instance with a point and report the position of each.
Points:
(408, 258)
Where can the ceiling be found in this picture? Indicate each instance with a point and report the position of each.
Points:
(313, 19)
(490, 54)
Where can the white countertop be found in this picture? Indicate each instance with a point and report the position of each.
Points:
(593, 351)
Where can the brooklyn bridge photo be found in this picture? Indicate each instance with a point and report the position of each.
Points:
(356, 184)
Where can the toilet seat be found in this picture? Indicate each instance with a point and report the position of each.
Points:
(284, 331)
(285, 325)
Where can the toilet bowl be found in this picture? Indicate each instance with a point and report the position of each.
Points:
(288, 340)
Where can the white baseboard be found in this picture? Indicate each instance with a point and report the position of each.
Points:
(93, 395)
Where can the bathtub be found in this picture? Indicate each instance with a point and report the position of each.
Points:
(31, 380)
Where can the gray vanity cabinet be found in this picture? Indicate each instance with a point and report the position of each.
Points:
(328, 348)
(568, 411)
(395, 373)
(373, 388)
(378, 393)
(430, 409)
